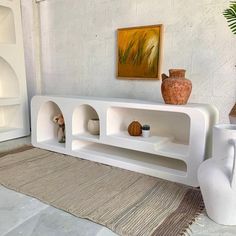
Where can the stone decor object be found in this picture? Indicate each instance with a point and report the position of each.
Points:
(175, 88)
(135, 128)
(94, 126)
(217, 176)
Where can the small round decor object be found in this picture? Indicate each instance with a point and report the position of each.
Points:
(94, 126)
(135, 128)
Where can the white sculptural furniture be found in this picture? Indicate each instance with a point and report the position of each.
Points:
(14, 116)
(178, 144)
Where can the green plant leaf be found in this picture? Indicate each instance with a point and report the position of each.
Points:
(230, 15)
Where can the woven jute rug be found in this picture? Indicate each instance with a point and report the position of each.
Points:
(128, 203)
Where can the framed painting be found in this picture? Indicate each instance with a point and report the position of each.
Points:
(139, 52)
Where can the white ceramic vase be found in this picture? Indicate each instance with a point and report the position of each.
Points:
(217, 176)
(94, 126)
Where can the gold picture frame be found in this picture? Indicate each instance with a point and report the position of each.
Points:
(139, 52)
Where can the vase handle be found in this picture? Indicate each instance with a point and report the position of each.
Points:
(233, 176)
(164, 76)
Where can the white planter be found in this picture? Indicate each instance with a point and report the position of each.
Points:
(217, 177)
(145, 133)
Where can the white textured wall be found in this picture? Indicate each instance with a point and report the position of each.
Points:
(79, 47)
(28, 29)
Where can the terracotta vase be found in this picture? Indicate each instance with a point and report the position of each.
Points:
(175, 88)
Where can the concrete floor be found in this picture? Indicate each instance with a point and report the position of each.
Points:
(26, 216)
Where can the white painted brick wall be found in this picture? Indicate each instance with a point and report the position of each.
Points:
(79, 48)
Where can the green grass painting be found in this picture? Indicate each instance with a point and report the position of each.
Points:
(139, 51)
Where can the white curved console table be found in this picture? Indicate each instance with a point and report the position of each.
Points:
(180, 135)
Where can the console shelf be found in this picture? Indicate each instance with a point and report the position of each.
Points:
(132, 160)
(180, 135)
(52, 143)
(174, 150)
(86, 136)
(154, 144)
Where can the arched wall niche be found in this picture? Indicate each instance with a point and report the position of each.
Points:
(7, 26)
(9, 83)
